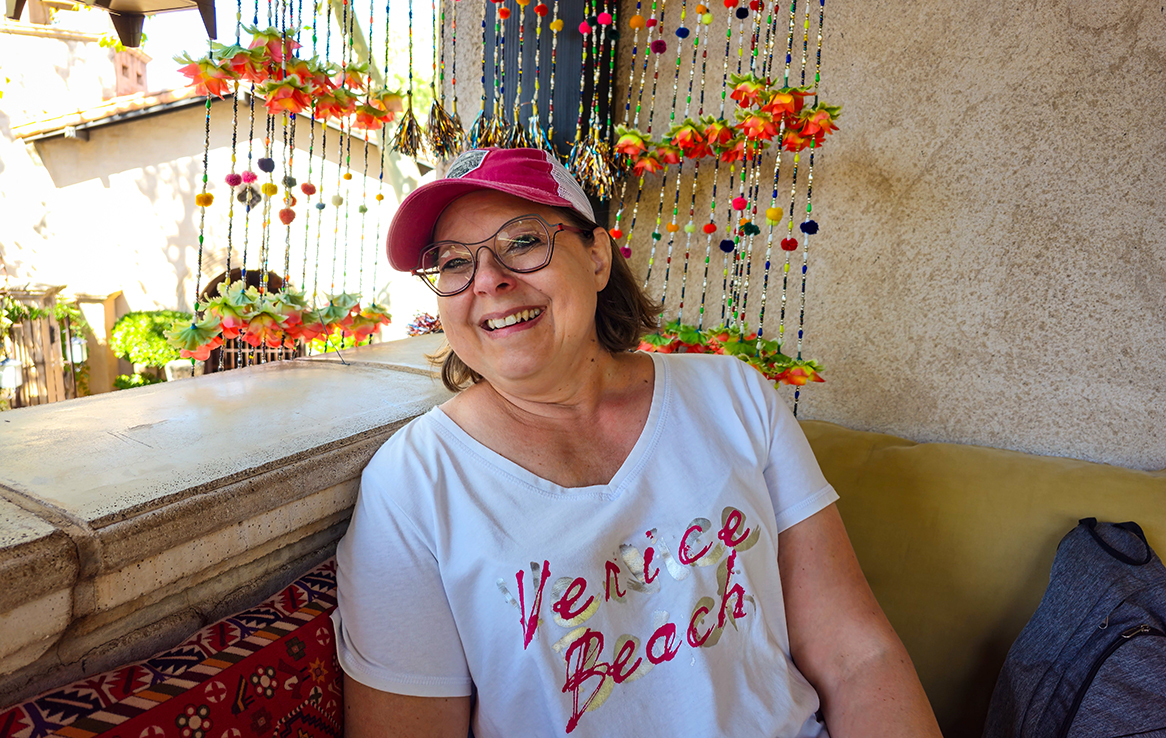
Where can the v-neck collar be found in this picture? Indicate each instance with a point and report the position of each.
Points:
(627, 471)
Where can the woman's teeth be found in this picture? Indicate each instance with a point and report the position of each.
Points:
(519, 317)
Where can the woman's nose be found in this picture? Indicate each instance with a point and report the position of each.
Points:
(490, 275)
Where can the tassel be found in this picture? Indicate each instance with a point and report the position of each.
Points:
(478, 129)
(445, 135)
(519, 138)
(409, 138)
(539, 138)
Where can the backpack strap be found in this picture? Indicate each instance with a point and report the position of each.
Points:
(1130, 527)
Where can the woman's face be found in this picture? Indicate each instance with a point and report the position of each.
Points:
(539, 349)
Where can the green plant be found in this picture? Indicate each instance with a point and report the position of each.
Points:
(138, 337)
(129, 381)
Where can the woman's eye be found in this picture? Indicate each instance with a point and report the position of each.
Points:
(455, 264)
(519, 244)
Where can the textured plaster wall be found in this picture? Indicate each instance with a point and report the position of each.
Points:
(991, 267)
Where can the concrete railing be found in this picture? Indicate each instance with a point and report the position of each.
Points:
(130, 520)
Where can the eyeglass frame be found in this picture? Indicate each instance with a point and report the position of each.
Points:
(553, 229)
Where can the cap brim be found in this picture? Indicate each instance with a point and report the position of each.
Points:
(413, 223)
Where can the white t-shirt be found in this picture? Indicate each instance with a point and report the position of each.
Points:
(650, 606)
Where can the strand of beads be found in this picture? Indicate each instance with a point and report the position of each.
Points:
(711, 228)
(773, 214)
(202, 200)
(519, 138)
(306, 187)
(732, 256)
(809, 227)
(672, 227)
(636, 22)
(578, 159)
(481, 122)
(701, 41)
(657, 47)
(788, 244)
(538, 136)
(556, 26)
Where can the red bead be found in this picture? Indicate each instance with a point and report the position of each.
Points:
(789, 244)
(710, 228)
(616, 233)
(541, 10)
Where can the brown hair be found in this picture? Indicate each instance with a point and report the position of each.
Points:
(623, 313)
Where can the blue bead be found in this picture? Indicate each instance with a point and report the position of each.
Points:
(682, 32)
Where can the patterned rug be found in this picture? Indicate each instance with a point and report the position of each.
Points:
(268, 671)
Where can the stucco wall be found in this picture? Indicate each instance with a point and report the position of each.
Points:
(991, 267)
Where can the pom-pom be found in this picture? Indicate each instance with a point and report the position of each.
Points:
(557, 25)
(203, 199)
(613, 34)
(269, 188)
(290, 199)
(233, 180)
(523, 3)
(319, 206)
(672, 228)
(727, 245)
(651, 22)
(656, 235)
(503, 13)
(249, 196)
(690, 227)
(637, 22)
(730, 3)
(739, 203)
(266, 164)
(289, 181)
(249, 177)
(682, 32)
(710, 228)
(362, 209)
(659, 46)
(337, 200)
(541, 10)
(773, 214)
(347, 175)
(584, 28)
(702, 9)
(380, 197)
(308, 189)
(742, 13)
(616, 233)
(810, 227)
(706, 19)
(756, 5)
(286, 216)
(593, 20)
(604, 19)
(789, 244)
(625, 252)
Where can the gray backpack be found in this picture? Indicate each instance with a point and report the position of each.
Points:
(1091, 663)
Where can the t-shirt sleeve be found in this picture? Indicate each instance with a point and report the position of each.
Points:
(795, 481)
(395, 630)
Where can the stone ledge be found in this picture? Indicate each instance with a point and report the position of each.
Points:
(129, 520)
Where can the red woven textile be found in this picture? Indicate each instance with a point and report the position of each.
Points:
(268, 671)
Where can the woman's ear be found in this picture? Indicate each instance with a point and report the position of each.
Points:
(599, 249)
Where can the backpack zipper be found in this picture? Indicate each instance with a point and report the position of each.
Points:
(1124, 637)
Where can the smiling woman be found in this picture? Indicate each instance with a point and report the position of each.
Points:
(662, 504)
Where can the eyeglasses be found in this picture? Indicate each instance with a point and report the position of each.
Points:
(522, 245)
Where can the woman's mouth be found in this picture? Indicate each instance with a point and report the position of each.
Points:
(520, 316)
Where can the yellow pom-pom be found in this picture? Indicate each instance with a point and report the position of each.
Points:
(707, 18)
(672, 227)
(773, 214)
(348, 175)
(269, 188)
(203, 199)
(637, 22)
(557, 25)
(380, 197)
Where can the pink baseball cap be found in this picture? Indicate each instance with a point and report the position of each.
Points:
(532, 174)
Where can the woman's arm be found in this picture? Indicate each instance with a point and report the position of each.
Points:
(841, 640)
(371, 713)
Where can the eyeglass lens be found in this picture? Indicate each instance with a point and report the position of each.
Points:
(522, 245)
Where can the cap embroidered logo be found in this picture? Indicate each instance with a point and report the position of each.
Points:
(465, 164)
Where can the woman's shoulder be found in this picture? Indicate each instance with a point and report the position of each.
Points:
(712, 374)
(415, 449)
